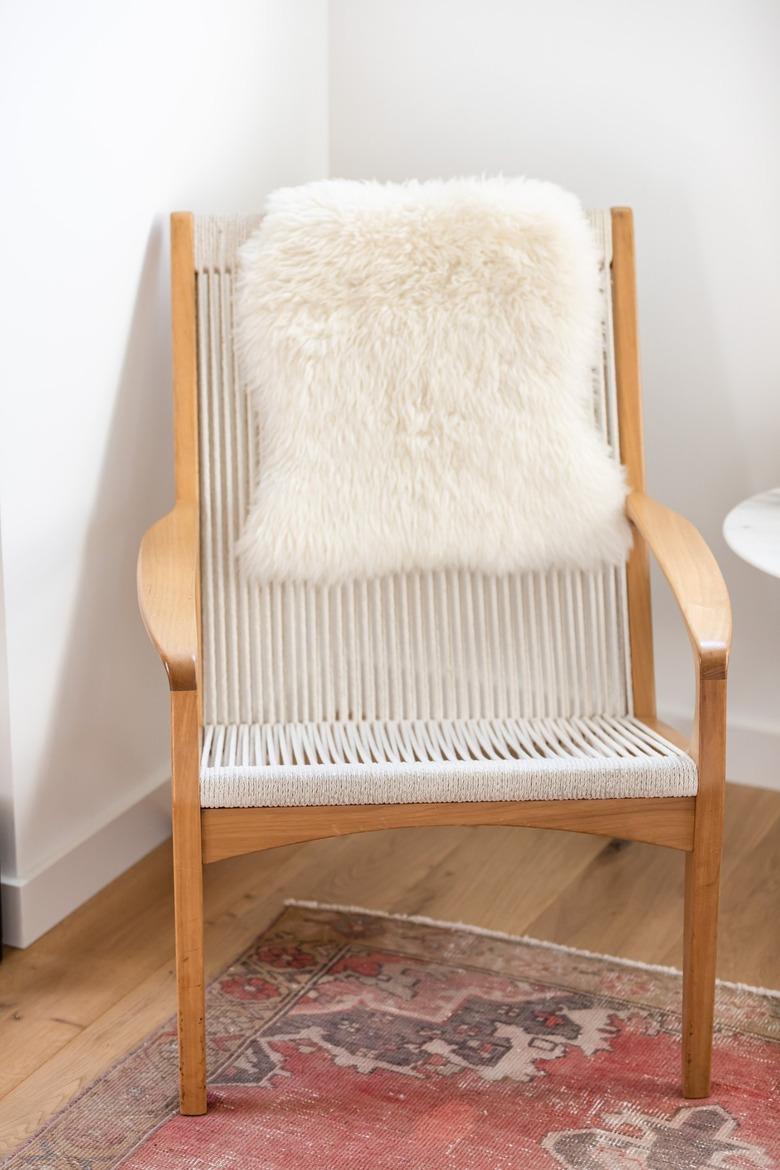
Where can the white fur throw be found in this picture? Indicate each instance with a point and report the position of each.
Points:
(420, 358)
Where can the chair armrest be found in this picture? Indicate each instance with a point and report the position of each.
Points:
(694, 578)
(167, 593)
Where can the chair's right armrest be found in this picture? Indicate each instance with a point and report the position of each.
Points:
(168, 593)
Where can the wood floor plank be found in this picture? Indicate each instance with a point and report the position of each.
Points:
(629, 900)
(360, 870)
(497, 878)
(52, 990)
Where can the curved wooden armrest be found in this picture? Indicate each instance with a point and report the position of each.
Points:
(693, 576)
(167, 593)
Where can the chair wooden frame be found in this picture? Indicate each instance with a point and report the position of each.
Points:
(169, 597)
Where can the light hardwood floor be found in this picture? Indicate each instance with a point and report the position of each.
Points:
(95, 985)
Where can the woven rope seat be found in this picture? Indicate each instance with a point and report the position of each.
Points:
(416, 687)
(438, 760)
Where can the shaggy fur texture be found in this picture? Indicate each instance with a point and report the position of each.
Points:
(420, 357)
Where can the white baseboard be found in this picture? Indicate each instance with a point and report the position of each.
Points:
(34, 903)
(753, 753)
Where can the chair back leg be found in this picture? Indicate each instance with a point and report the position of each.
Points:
(188, 903)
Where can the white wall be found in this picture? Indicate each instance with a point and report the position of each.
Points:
(114, 115)
(674, 109)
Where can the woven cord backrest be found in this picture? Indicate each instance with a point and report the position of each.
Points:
(426, 645)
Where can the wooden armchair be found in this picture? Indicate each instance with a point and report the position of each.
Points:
(538, 686)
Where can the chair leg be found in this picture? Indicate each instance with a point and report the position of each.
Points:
(188, 906)
(699, 947)
(188, 901)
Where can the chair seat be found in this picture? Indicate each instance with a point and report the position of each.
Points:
(420, 761)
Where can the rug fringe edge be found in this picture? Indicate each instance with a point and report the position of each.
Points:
(469, 928)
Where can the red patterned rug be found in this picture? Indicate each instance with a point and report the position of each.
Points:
(343, 1040)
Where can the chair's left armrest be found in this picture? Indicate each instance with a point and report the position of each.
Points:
(167, 593)
(694, 578)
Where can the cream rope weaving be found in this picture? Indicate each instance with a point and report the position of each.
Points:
(414, 687)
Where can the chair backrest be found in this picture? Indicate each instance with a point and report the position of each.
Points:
(425, 645)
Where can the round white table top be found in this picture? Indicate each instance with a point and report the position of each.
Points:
(752, 531)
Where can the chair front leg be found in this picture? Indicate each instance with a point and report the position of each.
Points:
(188, 902)
(702, 878)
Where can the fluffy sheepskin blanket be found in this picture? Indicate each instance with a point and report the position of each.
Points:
(420, 358)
